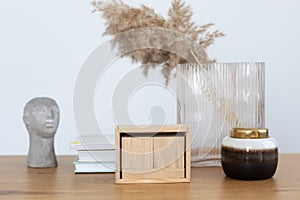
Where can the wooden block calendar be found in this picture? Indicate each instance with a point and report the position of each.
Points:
(152, 154)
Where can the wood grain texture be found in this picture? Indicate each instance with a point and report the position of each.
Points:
(168, 152)
(154, 174)
(152, 154)
(152, 128)
(137, 153)
(19, 182)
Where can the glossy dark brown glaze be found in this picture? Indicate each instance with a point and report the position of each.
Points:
(249, 165)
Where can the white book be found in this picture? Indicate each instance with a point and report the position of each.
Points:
(96, 156)
(94, 167)
(93, 142)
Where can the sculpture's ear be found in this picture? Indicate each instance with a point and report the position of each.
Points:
(26, 118)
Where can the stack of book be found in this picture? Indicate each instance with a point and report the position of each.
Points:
(96, 154)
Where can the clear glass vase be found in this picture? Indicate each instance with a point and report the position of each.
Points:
(213, 98)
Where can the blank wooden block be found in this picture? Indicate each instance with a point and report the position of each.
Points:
(137, 153)
(152, 154)
(169, 152)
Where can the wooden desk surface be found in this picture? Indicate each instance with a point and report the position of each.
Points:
(19, 182)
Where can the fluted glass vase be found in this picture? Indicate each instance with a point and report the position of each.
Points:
(213, 98)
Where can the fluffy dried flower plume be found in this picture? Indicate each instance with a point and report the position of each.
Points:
(121, 18)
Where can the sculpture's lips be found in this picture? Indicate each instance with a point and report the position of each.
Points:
(49, 125)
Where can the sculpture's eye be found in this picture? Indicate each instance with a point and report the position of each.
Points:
(40, 112)
(54, 109)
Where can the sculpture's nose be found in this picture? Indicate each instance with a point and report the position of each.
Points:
(50, 114)
(50, 119)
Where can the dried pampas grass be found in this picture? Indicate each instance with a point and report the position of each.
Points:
(121, 18)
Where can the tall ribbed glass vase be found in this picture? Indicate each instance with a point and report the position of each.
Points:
(213, 98)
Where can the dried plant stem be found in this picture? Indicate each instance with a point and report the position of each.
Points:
(223, 107)
(121, 17)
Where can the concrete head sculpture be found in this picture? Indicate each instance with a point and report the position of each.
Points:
(41, 117)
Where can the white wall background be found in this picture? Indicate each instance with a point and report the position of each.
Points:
(44, 43)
